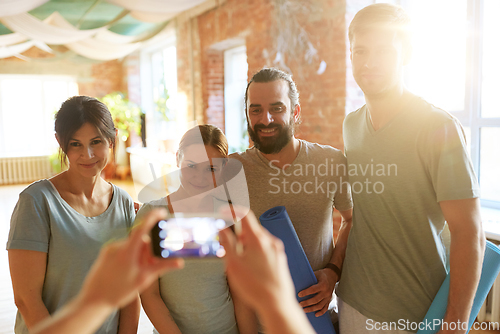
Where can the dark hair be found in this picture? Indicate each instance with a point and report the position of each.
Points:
(207, 135)
(74, 113)
(382, 15)
(273, 74)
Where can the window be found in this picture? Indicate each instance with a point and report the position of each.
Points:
(27, 107)
(455, 66)
(485, 111)
(235, 83)
(437, 68)
(165, 122)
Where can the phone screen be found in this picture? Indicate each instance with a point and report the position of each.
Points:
(188, 237)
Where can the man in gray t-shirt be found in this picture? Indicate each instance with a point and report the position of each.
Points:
(416, 210)
(309, 179)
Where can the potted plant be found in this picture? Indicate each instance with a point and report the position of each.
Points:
(126, 115)
(127, 118)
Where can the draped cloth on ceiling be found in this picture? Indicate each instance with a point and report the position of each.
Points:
(99, 43)
(155, 10)
(14, 7)
(21, 47)
(46, 31)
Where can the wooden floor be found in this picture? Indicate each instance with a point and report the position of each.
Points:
(8, 199)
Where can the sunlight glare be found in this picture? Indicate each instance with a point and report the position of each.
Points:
(437, 69)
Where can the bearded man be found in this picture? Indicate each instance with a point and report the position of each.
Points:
(309, 179)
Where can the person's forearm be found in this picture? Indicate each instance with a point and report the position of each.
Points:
(466, 256)
(158, 314)
(33, 311)
(129, 317)
(341, 244)
(285, 317)
(245, 316)
(80, 316)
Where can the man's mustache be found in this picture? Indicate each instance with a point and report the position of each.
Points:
(270, 126)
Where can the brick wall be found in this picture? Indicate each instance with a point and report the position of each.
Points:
(198, 44)
(104, 78)
(189, 81)
(132, 78)
(323, 92)
(213, 88)
(300, 37)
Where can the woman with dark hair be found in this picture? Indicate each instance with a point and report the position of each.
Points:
(60, 224)
(196, 299)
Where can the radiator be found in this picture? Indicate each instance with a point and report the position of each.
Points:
(24, 169)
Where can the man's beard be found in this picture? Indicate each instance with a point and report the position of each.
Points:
(270, 145)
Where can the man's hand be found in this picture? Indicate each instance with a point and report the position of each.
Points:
(322, 292)
(137, 206)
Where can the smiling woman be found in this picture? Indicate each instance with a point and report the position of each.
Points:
(59, 225)
(90, 123)
(200, 291)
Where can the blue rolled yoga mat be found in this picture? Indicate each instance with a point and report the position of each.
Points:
(277, 222)
(491, 268)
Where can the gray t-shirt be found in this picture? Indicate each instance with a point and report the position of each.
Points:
(396, 255)
(309, 188)
(42, 221)
(197, 296)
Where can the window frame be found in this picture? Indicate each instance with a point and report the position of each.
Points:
(229, 55)
(471, 117)
(153, 121)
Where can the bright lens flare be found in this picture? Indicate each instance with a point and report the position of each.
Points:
(437, 69)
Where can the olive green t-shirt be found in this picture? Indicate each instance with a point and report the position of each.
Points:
(396, 255)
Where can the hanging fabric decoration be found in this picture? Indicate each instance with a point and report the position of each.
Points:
(156, 10)
(100, 48)
(14, 38)
(98, 43)
(96, 49)
(157, 6)
(15, 50)
(152, 17)
(15, 7)
(32, 27)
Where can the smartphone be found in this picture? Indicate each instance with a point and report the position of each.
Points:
(188, 236)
